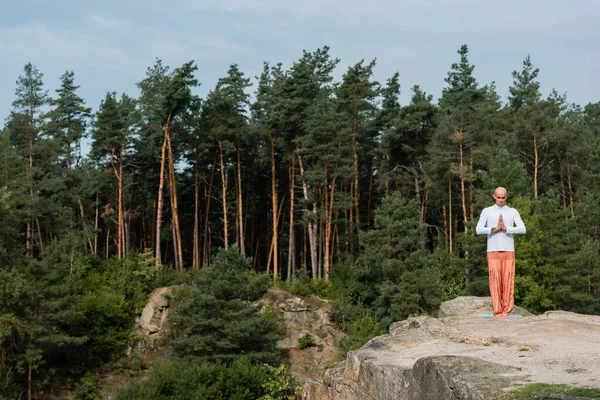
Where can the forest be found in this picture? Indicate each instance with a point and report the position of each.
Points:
(290, 179)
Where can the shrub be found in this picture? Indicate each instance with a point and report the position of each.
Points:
(360, 332)
(241, 380)
(306, 341)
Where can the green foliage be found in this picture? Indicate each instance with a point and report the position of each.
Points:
(393, 278)
(303, 285)
(105, 321)
(306, 341)
(531, 390)
(360, 332)
(217, 320)
(240, 380)
(279, 385)
(88, 388)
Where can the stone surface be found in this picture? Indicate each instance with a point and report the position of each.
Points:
(153, 318)
(467, 357)
(305, 316)
(471, 305)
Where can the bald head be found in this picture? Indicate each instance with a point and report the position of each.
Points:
(500, 195)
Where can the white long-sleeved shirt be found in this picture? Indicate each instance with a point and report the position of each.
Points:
(500, 241)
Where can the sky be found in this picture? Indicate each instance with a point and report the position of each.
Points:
(109, 44)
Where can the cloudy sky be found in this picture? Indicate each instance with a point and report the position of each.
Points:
(109, 44)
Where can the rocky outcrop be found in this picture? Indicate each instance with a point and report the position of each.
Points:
(302, 316)
(466, 357)
(154, 316)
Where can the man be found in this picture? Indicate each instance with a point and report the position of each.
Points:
(500, 222)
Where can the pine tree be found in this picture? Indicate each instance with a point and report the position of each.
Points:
(25, 125)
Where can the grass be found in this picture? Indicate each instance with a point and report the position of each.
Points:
(529, 391)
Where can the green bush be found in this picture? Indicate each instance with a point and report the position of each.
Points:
(321, 288)
(306, 341)
(360, 332)
(88, 388)
(241, 380)
(217, 321)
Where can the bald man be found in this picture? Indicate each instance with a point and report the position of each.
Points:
(500, 222)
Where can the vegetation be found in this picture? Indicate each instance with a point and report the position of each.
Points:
(309, 184)
(529, 391)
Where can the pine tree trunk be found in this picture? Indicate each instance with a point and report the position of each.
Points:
(291, 244)
(85, 229)
(224, 193)
(536, 165)
(121, 205)
(562, 183)
(29, 379)
(39, 230)
(207, 196)
(159, 204)
(387, 176)
(178, 256)
(240, 210)
(328, 233)
(424, 203)
(107, 241)
(570, 188)
(356, 184)
(450, 213)
(311, 228)
(273, 243)
(371, 174)
(275, 205)
(96, 225)
(196, 256)
(471, 189)
(462, 185)
(446, 231)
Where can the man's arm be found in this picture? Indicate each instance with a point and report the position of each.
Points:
(481, 228)
(519, 225)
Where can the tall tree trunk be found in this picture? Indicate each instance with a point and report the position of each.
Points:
(356, 185)
(96, 225)
(240, 210)
(196, 252)
(275, 205)
(562, 183)
(461, 174)
(206, 247)
(159, 204)
(371, 174)
(273, 243)
(328, 251)
(446, 231)
(85, 228)
(291, 244)
(178, 256)
(471, 189)
(224, 192)
(450, 213)
(107, 241)
(536, 165)
(570, 188)
(387, 176)
(29, 379)
(312, 237)
(119, 238)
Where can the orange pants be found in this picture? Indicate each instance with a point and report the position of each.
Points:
(501, 267)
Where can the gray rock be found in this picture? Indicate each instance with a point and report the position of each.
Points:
(467, 358)
(472, 306)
